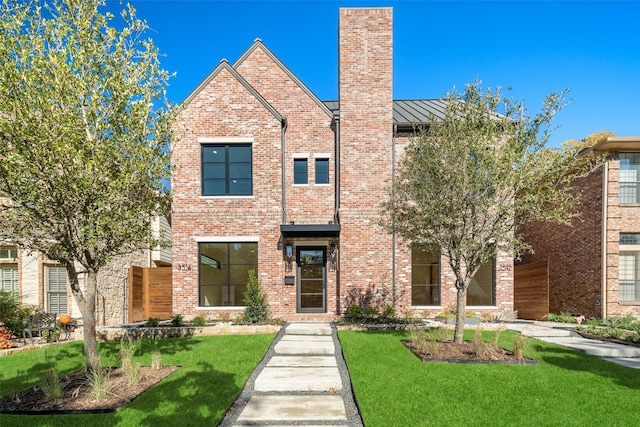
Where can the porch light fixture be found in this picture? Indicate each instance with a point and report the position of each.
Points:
(333, 257)
(288, 256)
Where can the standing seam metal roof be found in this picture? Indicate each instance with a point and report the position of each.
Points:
(409, 112)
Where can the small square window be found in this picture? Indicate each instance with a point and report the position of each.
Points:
(300, 167)
(322, 171)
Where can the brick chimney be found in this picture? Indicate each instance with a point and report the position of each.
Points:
(366, 142)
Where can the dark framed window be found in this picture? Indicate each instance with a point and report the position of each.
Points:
(300, 171)
(9, 279)
(224, 271)
(629, 178)
(482, 289)
(322, 171)
(226, 170)
(425, 277)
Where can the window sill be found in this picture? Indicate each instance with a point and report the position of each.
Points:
(221, 308)
(323, 185)
(225, 197)
(629, 303)
(482, 307)
(301, 185)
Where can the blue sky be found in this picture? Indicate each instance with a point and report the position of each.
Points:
(534, 48)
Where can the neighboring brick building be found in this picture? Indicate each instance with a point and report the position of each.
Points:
(270, 178)
(594, 265)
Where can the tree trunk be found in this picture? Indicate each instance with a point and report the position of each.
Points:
(87, 304)
(461, 304)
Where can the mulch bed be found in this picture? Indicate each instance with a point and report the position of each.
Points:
(464, 352)
(78, 397)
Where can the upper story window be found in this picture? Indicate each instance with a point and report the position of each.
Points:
(8, 253)
(322, 171)
(300, 171)
(226, 170)
(629, 178)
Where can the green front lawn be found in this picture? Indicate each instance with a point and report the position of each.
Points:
(214, 370)
(394, 388)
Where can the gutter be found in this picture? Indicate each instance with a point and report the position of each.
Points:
(336, 216)
(284, 182)
(605, 202)
(393, 200)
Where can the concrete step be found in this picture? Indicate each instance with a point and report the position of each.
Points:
(304, 347)
(308, 329)
(308, 338)
(293, 379)
(289, 409)
(302, 361)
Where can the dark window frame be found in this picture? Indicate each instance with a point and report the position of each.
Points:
(228, 167)
(493, 287)
(324, 178)
(301, 171)
(437, 285)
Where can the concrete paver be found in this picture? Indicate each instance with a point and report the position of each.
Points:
(294, 408)
(282, 378)
(302, 361)
(304, 347)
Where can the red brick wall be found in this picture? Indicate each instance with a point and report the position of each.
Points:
(574, 253)
(366, 126)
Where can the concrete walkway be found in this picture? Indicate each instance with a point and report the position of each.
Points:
(302, 380)
(553, 332)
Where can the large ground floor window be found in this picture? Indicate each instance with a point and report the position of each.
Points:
(425, 277)
(481, 291)
(629, 267)
(224, 271)
(57, 290)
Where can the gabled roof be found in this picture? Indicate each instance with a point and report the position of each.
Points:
(407, 113)
(257, 44)
(224, 65)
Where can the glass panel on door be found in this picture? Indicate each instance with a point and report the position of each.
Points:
(311, 279)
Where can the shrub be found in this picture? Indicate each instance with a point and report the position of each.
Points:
(152, 322)
(51, 387)
(99, 380)
(255, 301)
(156, 360)
(177, 320)
(13, 314)
(355, 312)
(199, 321)
(519, 345)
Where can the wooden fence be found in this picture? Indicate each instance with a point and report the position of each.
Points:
(150, 293)
(531, 290)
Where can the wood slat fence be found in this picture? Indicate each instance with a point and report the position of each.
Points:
(150, 293)
(531, 290)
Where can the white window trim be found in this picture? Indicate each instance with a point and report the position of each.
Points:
(300, 155)
(226, 140)
(226, 239)
(321, 155)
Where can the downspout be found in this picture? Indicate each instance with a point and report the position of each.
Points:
(336, 216)
(393, 200)
(284, 168)
(605, 202)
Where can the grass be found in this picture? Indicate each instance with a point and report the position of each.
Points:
(394, 388)
(214, 369)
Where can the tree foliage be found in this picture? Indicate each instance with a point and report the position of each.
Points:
(84, 131)
(589, 141)
(468, 180)
(255, 301)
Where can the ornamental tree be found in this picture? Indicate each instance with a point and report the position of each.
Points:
(467, 181)
(84, 136)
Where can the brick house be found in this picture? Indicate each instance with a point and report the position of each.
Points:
(270, 178)
(594, 265)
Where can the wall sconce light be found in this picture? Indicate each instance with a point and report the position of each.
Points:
(288, 256)
(279, 246)
(333, 257)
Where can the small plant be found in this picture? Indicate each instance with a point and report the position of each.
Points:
(614, 333)
(99, 381)
(127, 351)
(152, 322)
(51, 387)
(563, 317)
(134, 373)
(480, 347)
(635, 337)
(499, 330)
(443, 333)
(255, 301)
(5, 337)
(389, 312)
(371, 312)
(156, 360)
(177, 320)
(519, 345)
(199, 321)
(224, 316)
(355, 312)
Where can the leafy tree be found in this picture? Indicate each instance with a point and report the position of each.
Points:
(84, 131)
(468, 180)
(590, 140)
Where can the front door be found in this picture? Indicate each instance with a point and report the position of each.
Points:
(311, 282)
